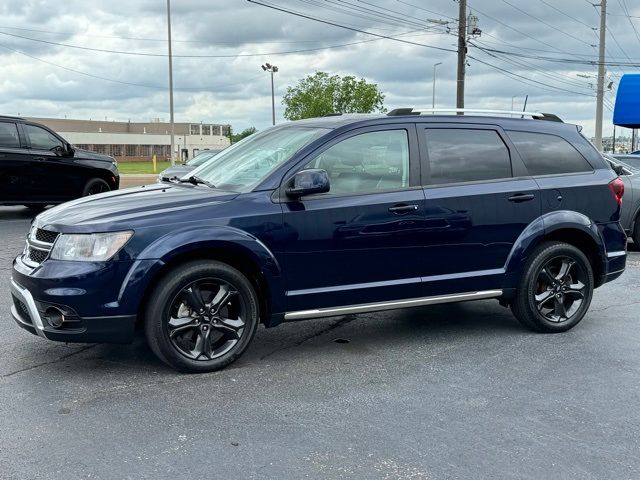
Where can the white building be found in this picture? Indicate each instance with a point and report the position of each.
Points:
(131, 141)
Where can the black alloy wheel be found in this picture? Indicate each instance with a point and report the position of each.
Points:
(560, 289)
(206, 319)
(201, 316)
(555, 288)
(95, 186)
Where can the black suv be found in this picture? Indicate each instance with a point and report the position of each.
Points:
(331, 216)
(39, 168)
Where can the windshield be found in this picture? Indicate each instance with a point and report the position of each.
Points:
(244, 164)
(202, 158)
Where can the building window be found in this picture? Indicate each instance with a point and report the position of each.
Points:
(195, 130)
(225, 130)
(145, 150)
(117, 150)
(206, 129)
(100, 149)
(131, 150)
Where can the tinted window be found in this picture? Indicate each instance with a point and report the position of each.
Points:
(366, 163)
(9, 135)
(545, 154)
(41, 139)
(466, 155)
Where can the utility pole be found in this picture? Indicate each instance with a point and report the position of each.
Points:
(462, 52)
(173, 160)
(433, 90)
(267, 67)
(601, 58)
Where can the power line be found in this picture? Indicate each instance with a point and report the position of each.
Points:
(327, 22)
(148, 54)
(625, 9)
(112, 80)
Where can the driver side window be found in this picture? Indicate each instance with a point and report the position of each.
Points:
(367, 163)
(41, 139)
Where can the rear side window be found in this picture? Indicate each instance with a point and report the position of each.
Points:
(9, 135)
(466, 155)
(545, 154)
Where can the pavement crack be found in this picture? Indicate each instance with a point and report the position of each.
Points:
(38, 365)
(338, 323)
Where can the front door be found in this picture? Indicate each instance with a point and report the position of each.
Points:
(479, 199)
(53, 176)
(361, 241)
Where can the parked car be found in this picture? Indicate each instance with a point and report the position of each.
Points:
(630, 175)
(630, 160)
(331, 216)
(39, 168)
(181, 170)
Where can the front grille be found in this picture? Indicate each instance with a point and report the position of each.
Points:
(22, 309)
(46, 236)
(37, 256)
(39, 244)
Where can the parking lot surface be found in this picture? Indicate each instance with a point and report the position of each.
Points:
(451, 391)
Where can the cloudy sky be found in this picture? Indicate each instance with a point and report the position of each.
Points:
(107, 58)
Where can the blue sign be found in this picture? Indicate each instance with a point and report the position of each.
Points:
(627, 110)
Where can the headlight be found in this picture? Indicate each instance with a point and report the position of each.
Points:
(94, 247)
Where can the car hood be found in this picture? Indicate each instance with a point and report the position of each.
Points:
(148, 205)
(82, 153)
(176, 171)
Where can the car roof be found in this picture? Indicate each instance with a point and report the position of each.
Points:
(334, 121)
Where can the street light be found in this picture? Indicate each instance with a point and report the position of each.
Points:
(433, 91)
(267, 67)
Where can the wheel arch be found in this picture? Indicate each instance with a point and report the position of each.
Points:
(238, 249)
(563, 226)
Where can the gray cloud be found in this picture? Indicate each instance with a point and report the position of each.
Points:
(236, 91)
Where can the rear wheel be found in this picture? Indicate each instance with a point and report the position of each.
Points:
(201, 317)
(555, 289)
(95, 186)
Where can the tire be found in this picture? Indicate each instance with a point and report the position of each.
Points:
(95, 186)
(201, 316)
(636, 232)
(554, 268)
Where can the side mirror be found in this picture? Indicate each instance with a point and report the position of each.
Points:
(69, 150)
(307, 182)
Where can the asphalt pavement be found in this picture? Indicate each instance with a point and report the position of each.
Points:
(443, 392)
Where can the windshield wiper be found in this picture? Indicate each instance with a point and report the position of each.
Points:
(196, 181)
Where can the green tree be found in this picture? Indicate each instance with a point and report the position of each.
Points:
(321, 94)
(236, 137)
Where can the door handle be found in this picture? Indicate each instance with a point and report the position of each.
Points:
(39, 159)
(402, 209)
(521, 197)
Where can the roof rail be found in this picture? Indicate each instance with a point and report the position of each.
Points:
(9, 117)
(474, 111)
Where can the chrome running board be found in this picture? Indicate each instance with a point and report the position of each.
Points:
(376, 307)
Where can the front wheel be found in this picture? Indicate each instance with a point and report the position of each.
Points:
(201, 316)
(95, 186)
(555, 289)
(636, 232)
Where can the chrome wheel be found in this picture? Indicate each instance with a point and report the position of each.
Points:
(560, 289)
(206, 319)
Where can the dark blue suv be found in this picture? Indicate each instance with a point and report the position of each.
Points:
(331, 216)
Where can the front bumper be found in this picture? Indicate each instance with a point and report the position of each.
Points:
(25, 311)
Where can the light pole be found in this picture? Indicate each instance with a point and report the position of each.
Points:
(267, 67)
(173, 160)
(433, 89)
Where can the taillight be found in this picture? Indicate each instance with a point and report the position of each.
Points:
(617, 189)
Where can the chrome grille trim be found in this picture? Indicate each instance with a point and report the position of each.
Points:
(37, 247)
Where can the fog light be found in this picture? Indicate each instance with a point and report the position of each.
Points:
(54, 317)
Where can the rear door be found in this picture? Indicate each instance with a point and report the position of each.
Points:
(14, 165)
(478, 201)
(360, 242)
